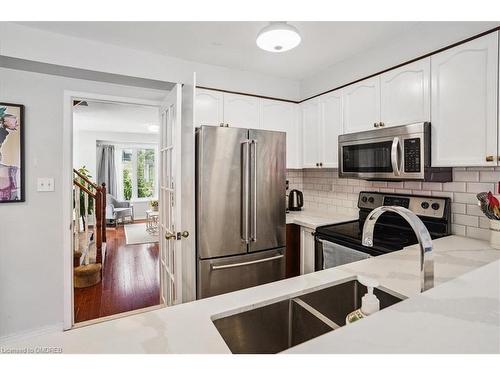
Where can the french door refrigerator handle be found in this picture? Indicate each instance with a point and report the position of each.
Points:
(254, 195)
(396, 151)
(245, 193)
(246, 263)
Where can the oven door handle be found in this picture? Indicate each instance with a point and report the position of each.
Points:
(396, 152)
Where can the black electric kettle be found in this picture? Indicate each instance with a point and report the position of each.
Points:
(295, 200)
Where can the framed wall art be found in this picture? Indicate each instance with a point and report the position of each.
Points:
(11, 153)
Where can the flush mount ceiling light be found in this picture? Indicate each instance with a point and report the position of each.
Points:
(278, 37)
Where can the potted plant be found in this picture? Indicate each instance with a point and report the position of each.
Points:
(154, 205)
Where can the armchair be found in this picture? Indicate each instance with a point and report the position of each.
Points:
(116, 210)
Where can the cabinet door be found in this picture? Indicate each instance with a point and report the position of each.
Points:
(307, 245)
(464, 104)
(405, 94)
(311, 134)
(331, 128)
(283, 116)
(209, 107)
(241, 111)
(362, 105)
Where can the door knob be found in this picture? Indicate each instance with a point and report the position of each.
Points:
(170, 236)
(185, 234)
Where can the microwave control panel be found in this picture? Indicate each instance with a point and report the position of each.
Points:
(412, 155)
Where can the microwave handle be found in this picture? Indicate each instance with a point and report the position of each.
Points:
(396, 152)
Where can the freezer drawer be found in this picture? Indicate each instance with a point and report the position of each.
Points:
(223, 275)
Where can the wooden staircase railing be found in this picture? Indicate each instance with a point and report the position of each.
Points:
(98, 194)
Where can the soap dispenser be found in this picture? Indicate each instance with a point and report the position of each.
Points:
(369, 303)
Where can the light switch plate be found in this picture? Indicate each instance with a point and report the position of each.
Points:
(45, 184)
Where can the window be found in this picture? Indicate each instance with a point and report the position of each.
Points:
(138, 172)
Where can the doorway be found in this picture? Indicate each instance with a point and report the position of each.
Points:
(115, 216)
(177, 276)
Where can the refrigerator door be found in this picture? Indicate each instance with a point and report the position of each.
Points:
(267, 189)
(221, 191)
(217, 276)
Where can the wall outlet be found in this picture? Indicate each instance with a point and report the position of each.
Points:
(45, 184)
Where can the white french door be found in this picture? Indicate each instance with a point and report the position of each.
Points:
(170, 198)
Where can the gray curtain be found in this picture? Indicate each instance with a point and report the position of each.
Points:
(106, 168)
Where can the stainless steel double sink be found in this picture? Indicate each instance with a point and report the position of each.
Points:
(282, 325)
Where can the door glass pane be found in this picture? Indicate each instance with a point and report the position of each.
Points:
(367, 157)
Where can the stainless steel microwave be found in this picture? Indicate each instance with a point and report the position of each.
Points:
(394, 153)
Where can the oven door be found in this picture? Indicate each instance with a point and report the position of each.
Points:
(386, 158)
(329, 254)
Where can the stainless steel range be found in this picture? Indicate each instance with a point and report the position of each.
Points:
(339, 244)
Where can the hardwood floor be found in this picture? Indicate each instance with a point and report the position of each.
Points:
(131, 280)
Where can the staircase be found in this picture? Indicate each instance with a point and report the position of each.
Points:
(89, 230)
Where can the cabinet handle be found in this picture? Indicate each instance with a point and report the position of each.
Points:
(320, 164)
(490, 158)
(317, 164)
(221, 124)
(376, 125)
(382, 124)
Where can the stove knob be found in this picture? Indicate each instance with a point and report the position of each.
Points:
(371, 200)
(435, 206)
(364, 199)
(425, 205)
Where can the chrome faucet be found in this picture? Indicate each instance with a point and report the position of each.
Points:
(423, 236)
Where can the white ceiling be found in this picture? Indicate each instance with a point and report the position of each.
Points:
(232, 44)
(114, 117)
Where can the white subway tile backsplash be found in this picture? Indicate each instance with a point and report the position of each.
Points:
(436, 186)
(474, 210)
(454, 186)
(458, 208)
(479, 233)
(459, 230)
(465, 176)
(323, 189)
(484, 223)
(470, 221)
(487, 176)
(468, 198)
(478, 187)
(413, 185)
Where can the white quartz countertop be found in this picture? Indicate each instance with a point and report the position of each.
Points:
(313, 219)
(461, 315)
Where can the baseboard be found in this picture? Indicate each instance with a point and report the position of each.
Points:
(25, 335)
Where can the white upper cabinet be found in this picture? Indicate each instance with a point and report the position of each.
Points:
(405, 94)
(241, 111)
(284, 116)
(464, 104)
(331, 127)
(361, 105)
(311, 155)
(209, 107)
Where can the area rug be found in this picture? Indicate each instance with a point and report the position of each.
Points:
(137, 234)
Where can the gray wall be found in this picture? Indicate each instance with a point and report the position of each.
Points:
(31, 251)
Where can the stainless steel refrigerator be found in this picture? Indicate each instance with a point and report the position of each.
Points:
(240, 208)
